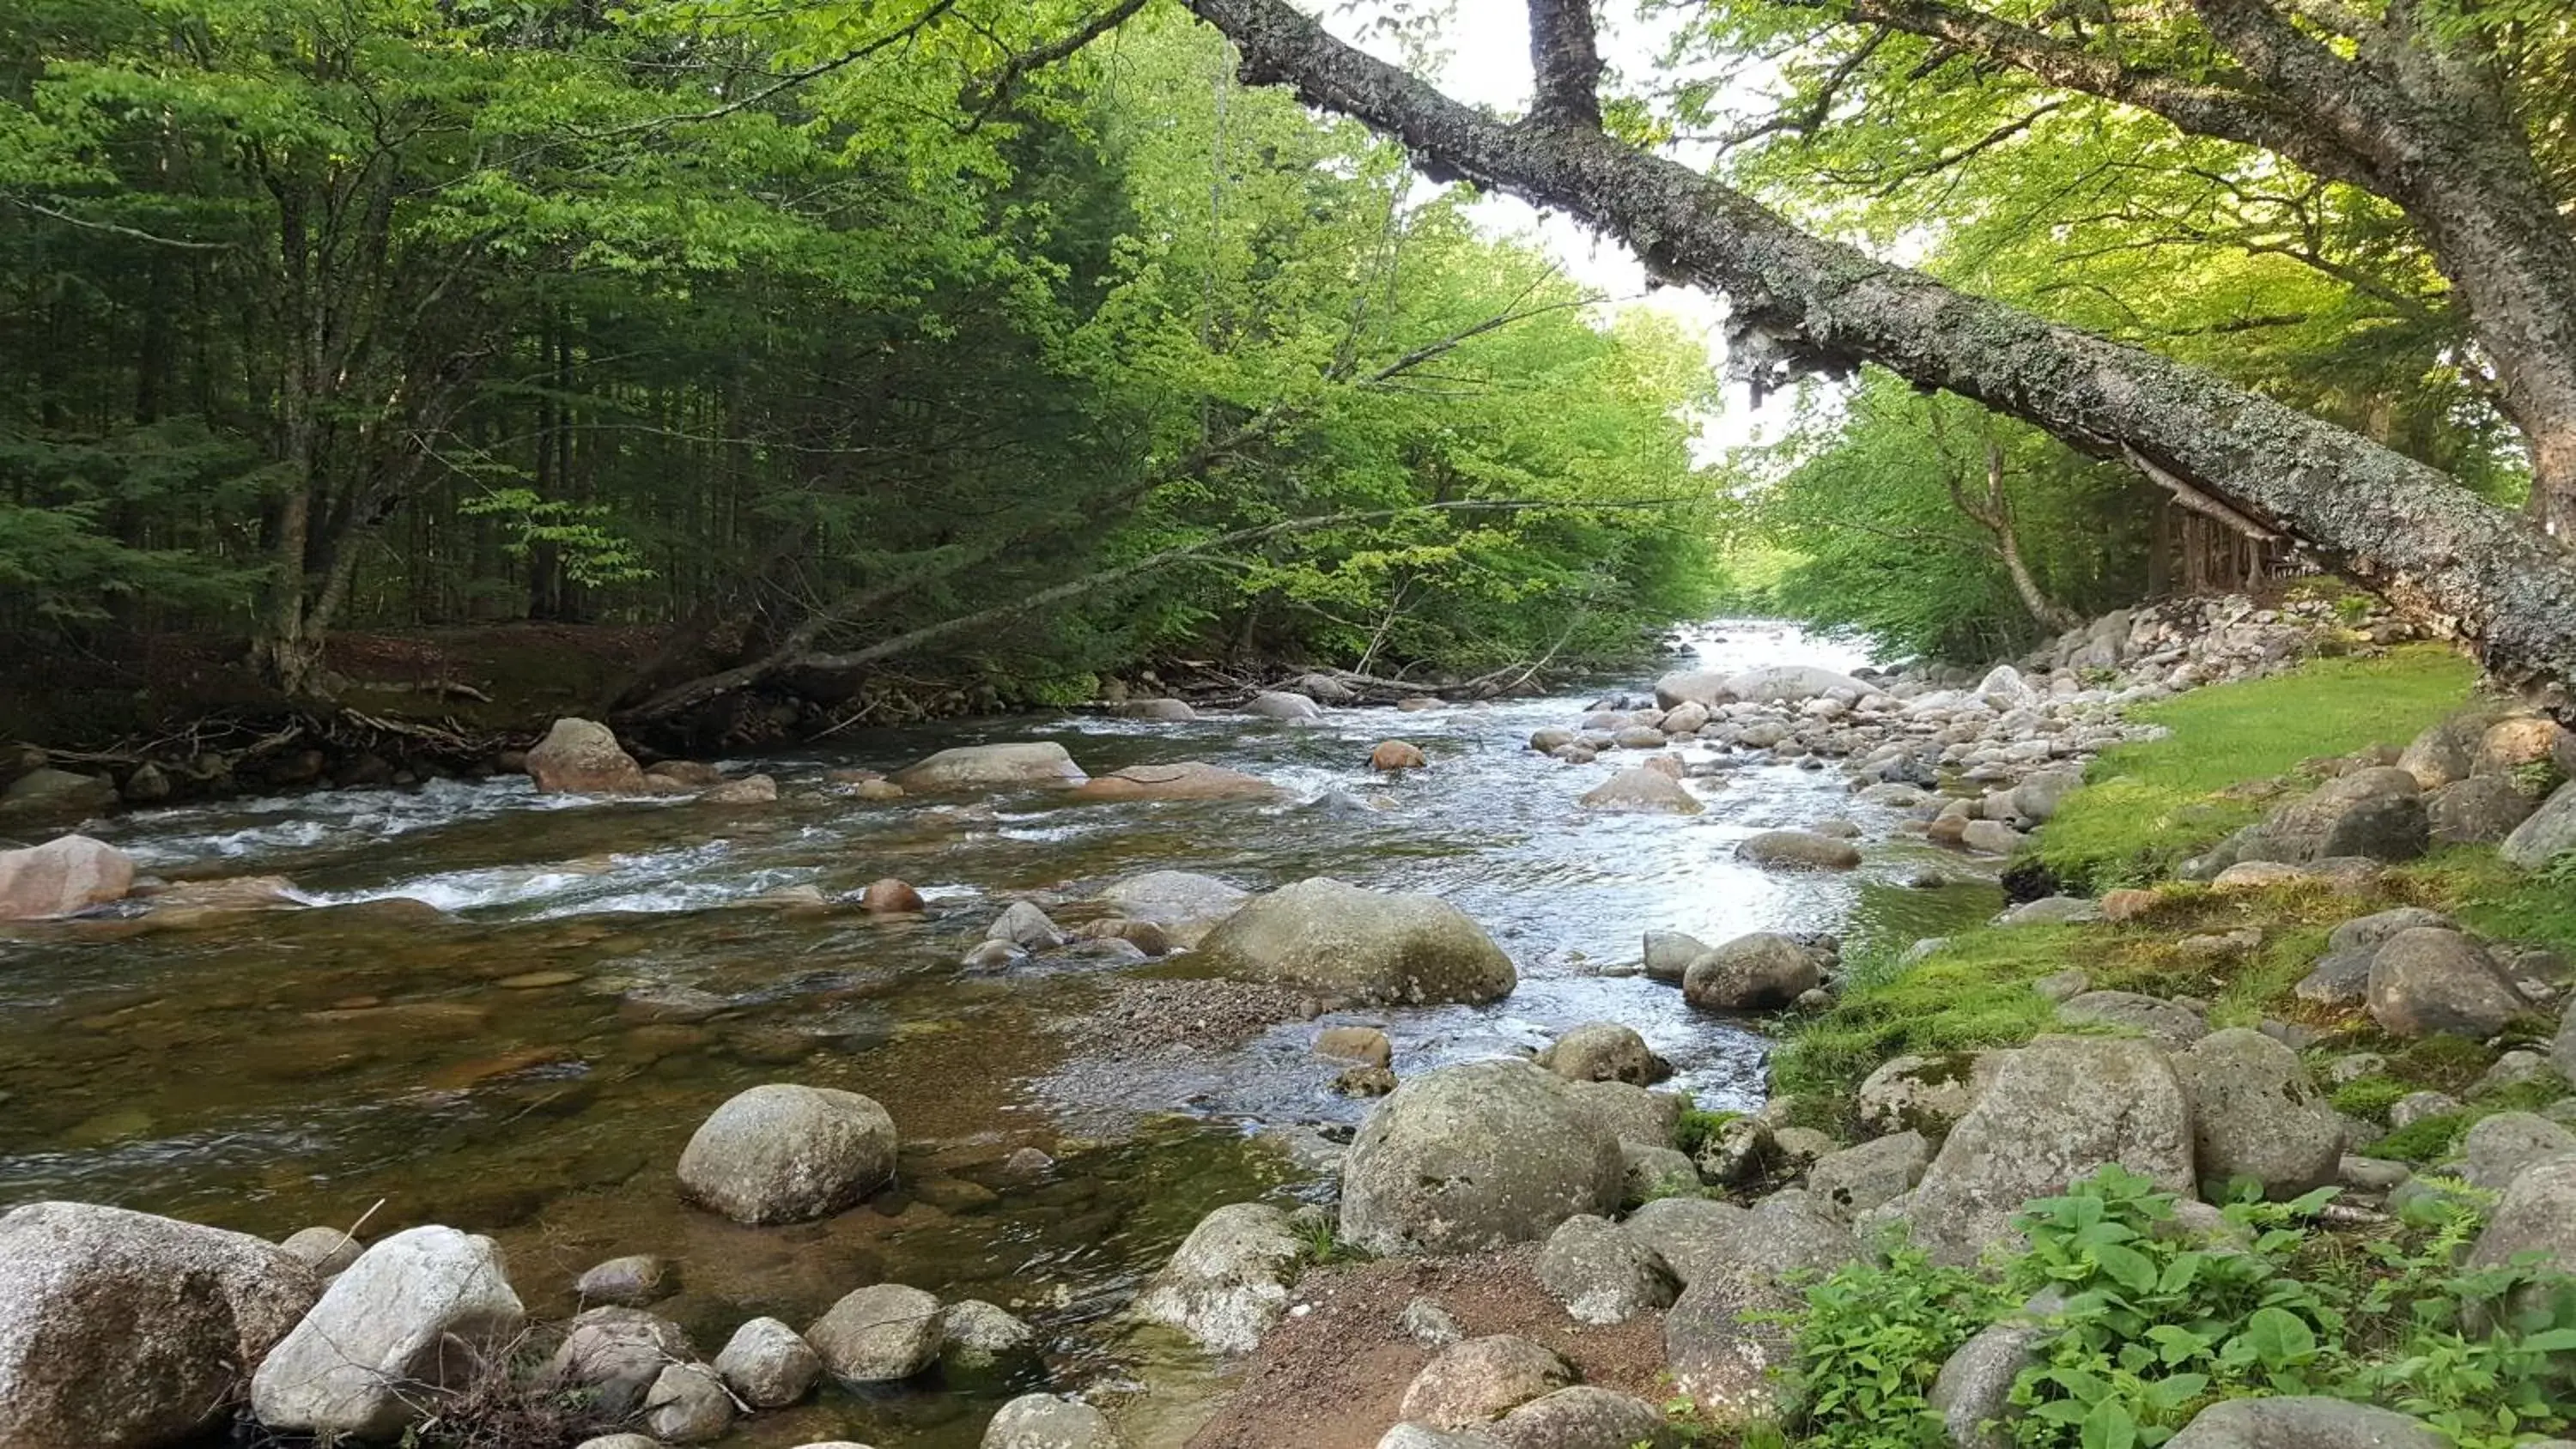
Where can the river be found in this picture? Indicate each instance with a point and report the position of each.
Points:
(499, 1063)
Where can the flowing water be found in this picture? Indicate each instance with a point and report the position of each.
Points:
(507, 1012)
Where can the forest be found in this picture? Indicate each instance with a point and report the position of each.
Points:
(1028, 345)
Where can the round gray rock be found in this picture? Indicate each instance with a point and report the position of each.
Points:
(1642, 790)
(784, 1153)
(687, 1405)
(1797, 850)
(768, 1364)
(1926, 1094)
(1691, 1234)
(978, 1334)
(1479, 1379)
(2502, 1147)
(1228, 1283)
(2427, 980)
(1601, 1274)
(2302, 1423)
(2174, 1025)
(1475, 1156)
(991, 767)
(1043, 1421)
(1377, 947)
(1584, 1417)
(419, 1308)
(1604, 1051)
(2058, 1110)
(1758, 972)
(2255, 1114)
(1186, 905)
(121, 1330)
(878, 1335)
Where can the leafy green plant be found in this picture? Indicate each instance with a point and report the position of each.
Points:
(1697, 1127)
(1873, 1340)
(2153, 1322)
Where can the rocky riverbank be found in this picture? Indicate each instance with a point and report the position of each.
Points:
(1557, 1238)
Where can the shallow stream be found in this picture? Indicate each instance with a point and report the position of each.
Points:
(507, 1012)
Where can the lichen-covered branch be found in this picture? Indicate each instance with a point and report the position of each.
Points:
(2381, 518)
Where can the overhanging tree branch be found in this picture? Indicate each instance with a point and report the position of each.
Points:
(1803, 304)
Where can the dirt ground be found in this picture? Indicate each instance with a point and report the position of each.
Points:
(1334, 1377)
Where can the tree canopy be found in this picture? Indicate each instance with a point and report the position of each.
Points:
(822, 334)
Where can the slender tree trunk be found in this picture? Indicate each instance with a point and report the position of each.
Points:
(1803, 304)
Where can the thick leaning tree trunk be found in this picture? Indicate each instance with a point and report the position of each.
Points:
(1801, 303)
(2413, 116)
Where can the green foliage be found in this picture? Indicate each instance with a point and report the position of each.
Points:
(2369, 1098)
(1870, 1343)
(1974, 992)
(1697, 1127)
(2426, 1139)
(1861, 514)
(2143, 1323)
(887, 345)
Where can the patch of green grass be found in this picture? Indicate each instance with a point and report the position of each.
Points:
(2369, 1098)
(1975, 992)
(2148, 806)
(2494, 899)
(1696, 1127)
(2426, 1139)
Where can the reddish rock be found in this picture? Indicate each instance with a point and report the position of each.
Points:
(582, 757)
(1182, 780)
(62, 876)
(1392, 755)
(891, 896)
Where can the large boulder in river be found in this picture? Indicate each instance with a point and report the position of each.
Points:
(2057, 1111)
(418, 1314)
(1187, 906)
(1273, 704)
(1228, 1283)
(120, 1330)
(1377, 947)
(61, 877)
(1642, 790)
(45, 793)
(1604, 1051)
(879, 1335)
(1790, 683)
(1040, 1421)
(1181, 780)
(582, 757)
(1703, 687)
(1797, 850)
(783, 1153)
(1759, 972)
(1465, 1158)
(1023, 765)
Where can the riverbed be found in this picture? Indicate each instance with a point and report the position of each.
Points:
(506, 1011)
